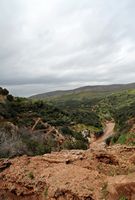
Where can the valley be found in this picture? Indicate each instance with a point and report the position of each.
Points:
(78, 146)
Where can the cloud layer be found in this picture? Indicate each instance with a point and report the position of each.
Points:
(63, 44)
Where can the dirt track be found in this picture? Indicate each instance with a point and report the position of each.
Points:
(100, 143)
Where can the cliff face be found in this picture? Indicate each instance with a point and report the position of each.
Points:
(72, 175)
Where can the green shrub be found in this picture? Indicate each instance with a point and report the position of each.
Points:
(10, 97)
(36, 147)
(30, 175)
(123, 198)
(122, 139)
(66, 131)
(78, 144)
(4, 91)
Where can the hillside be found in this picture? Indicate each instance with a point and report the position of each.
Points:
(86, 91)
(117, 106)
(39, 142)
(38, 127)
(35, 128)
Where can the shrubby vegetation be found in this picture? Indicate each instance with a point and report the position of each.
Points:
(21, 111)
(118, 106)
(4, 91)
(122, 117)
(67, 115)
(16, 143)
(77, 144)
(17, 138)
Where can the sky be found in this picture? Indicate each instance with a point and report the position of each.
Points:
(48, 45)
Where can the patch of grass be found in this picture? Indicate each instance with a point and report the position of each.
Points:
(128, 139)
(78, 144)
(81, 127)
(30, 175)
(99, 167)
(123, 198)
(122, 139)
(46, 192)
(131, 91)
(104, 191)
(112, 172)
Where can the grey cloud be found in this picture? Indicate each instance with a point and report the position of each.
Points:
(64, 44)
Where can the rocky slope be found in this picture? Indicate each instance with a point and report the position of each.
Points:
(73, 175)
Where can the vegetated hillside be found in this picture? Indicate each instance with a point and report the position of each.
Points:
(36, 127)
(85, 91)
(117, 106)
(125, 126)
(121, 108)
(106, 101)
(39, 127)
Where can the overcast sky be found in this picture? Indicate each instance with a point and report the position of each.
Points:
(47, 45)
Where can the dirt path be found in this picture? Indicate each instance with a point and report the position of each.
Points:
(108, 131)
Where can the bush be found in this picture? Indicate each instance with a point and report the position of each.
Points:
(87, 118)
(66, 131)
(78, 144)
(122, 139)
(4, 91)
(30, 175)
(10, 97)
(35, 144)
(99, 134)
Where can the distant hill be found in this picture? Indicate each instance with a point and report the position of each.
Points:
(86, 89)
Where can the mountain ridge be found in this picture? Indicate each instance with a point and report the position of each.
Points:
(94, 88)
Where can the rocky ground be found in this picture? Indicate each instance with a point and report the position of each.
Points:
(107, 173)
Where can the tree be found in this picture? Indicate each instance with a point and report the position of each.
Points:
(4, 92)
(10, 97)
